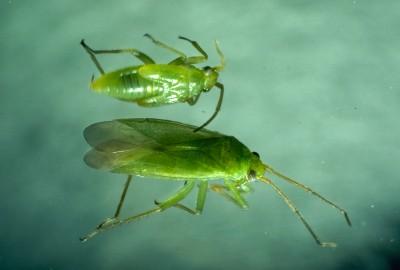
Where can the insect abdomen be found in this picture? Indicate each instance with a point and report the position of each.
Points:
(125, 84)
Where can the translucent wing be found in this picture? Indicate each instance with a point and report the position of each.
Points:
(114, 136)
(142, 131)
(140, 145)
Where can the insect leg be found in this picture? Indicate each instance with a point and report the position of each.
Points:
(192, 59)
(223, 191)
(197, 47)
(110, 222)
(165, 46)
(307, 189)
(121, 201)
(201, 198)
(182, 207)
(296, 212)
(187, 61)
(136, 53)
(192, 101)
(231, 192)
(171, 201)
(217, 108)
(92, 56)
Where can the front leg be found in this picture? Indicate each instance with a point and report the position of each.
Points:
(193, 100)
(230, 192)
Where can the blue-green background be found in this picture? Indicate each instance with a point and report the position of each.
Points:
(313, 86)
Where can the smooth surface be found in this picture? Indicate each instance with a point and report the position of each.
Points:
(312, 86)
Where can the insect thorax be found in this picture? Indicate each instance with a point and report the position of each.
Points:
(210, 79)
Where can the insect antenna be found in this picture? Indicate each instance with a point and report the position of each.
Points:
(296, 212)
(221, 57)
(309, 190)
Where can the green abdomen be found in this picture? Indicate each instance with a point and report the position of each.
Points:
(151, 85)
(125, 84)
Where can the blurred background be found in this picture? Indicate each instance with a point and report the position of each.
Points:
(312, 86)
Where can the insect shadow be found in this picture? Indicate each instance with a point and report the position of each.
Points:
(172, 151)
(153, 84)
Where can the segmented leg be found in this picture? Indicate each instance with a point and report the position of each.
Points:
(217, 108)
(236, 194)
(171, 201)
(165, 46)
(192, 101)
(136, 53)
(122, 199)
(230, 192)
(183, 58)
(199, 59)
(196, 46)
(192, 59)
(110, 223)
(223, 191)
(201, 198)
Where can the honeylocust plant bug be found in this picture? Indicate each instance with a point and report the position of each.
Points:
(172, 151)
(154, 84)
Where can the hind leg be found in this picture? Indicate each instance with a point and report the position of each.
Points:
(138, 54)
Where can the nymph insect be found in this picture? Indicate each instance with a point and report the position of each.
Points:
(154, 84)
(172, 151)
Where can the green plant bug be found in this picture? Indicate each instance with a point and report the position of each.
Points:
(172, 151)
(154, 84)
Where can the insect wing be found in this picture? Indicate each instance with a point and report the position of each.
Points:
(114, 135)
(165, 132)
(141, 143)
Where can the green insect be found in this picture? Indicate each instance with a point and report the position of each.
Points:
(172, 151)
(154, 84)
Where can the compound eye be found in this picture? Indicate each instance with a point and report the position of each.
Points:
(252, 174)
(256, 154)
(208, 70)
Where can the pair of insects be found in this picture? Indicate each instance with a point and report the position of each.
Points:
(172, 150)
